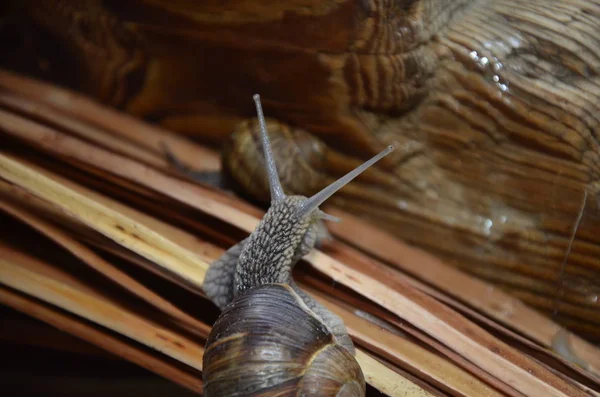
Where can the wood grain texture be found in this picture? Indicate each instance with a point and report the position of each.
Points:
(493, 106)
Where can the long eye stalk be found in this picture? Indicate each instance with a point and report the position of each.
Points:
(315, 201)
(277, 193)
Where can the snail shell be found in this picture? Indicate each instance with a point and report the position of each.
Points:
(280, 348)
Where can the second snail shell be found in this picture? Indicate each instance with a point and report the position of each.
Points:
(305, 163)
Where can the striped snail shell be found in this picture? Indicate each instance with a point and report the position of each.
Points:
(277, 327)
(272, 338)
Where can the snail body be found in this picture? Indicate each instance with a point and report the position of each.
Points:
(271, 337)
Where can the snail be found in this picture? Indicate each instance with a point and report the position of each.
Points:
(305, 165)
(271, 337)
(304, 162)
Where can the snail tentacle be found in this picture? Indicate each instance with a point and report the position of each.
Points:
(316, 200)
(274, 183)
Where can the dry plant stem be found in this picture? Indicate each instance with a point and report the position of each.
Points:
(88, 257)
(27, 332)
(216, 255)
(16, 194)
(492, 301)
(112, 248)
(226, 216)
(38, 111)
(513, 367)
(386, 380)
(393, 324)
(60, 238)
(80, 206)
(22, 273)
(112, 121)
(87, 207)
(61, 144)
(23, 197)
(348, 255)
(477, 293)
(437, 370)
(18, 197)
(461, 335)
(47, 182)
(100, 338)
(13, 273)
(350, 303)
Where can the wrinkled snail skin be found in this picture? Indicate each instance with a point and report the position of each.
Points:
(273, 339)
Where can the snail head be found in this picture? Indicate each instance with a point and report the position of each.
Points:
(288, 230)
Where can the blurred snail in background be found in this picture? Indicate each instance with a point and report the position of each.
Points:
(304, 162)
(305, 165)
(271, 337)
